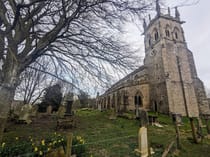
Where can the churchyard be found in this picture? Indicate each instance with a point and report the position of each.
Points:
(100, 134)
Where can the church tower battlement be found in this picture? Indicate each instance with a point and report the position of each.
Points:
(174, 84)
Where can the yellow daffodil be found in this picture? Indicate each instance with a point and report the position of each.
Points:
(48, 149)
(78, 138)
(17, 138)
(50, 144)
(43, 142)
(35, 149)
(40, 153)
(3, 144)
(54, 142)
(82, 141)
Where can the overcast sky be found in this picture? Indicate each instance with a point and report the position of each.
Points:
(197, 34)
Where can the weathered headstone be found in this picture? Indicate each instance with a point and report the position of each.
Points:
(69, 107)
(68, 101)
(143, 142)
(143, 118)
(49, 110)
(24, 114)
(34, 110)
(61, 111)
(113, 115)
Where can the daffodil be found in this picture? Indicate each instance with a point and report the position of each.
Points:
(78, 138)
(40, 153)
(43, 142)
(3, 144)
(17, 138)
(54, 142)
(82, 141)
(48, 149)
(35, 149)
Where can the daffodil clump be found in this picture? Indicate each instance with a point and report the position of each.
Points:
(78, 146)
(38, 148)
(33, 147)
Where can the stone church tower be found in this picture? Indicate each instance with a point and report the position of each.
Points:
(168, 81)
(174, 84)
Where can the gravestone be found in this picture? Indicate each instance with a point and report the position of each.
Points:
(24, 114)
(49, 110)
(143, 118)
(61, 111)
(143, 142)
(68, 101)
(69, 107)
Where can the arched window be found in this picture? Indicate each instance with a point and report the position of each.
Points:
(156, 34)
(167, 33)
(149, 41)
(167, 30)
(176, 33)
(138, 99)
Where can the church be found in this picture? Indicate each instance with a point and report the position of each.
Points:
(167, 82)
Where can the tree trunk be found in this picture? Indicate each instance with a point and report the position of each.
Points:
(7, 93)
(8, 83)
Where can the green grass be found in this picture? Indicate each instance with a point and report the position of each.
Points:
(118, 137)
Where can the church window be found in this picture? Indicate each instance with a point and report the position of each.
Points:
(138, 101)
(156, 36)
(176, 35)
(149, 41)
(167, 33)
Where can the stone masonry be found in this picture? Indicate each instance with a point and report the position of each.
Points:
(168, 81)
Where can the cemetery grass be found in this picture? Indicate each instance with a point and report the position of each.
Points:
(114, 138)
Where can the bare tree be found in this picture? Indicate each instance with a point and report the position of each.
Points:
(34, 82)
(77, 35)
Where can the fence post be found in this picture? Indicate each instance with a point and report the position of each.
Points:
(69, 144)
